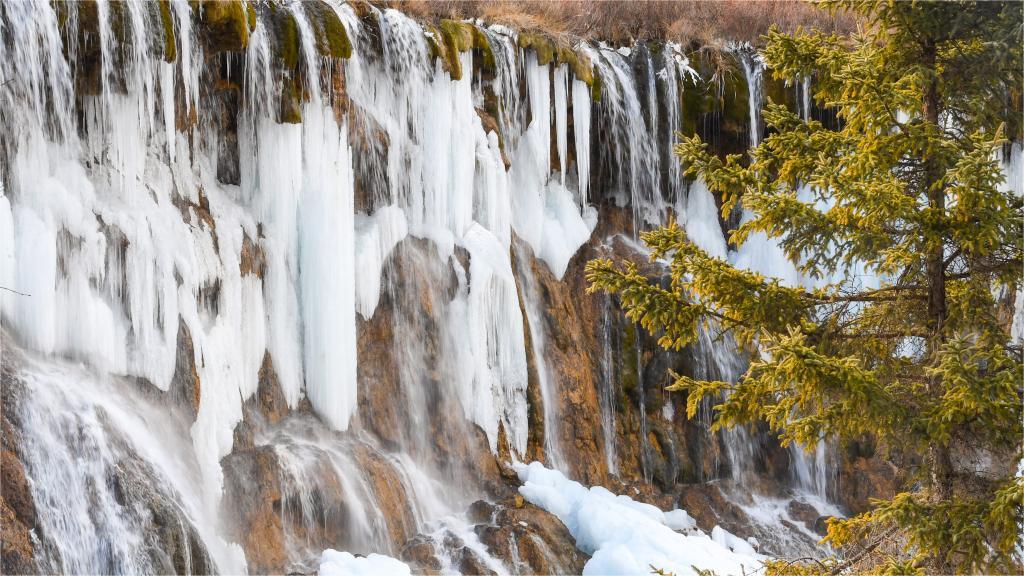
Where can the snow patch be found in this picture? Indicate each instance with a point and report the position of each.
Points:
(334, 563)
(628, 537)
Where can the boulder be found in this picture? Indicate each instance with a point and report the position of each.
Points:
(804, 512)
(530, 540)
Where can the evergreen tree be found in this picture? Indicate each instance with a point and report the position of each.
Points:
(926, 95)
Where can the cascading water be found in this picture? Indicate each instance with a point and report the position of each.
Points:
(114, 479)
(205, 244)
(645, 454)
(631, 142)
(812, 471)
(609, 381)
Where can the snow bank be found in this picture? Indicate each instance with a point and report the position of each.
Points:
(334, 563)
(628, 537)
(680, 519)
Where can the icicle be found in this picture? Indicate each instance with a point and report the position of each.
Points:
(561, 89)
(565, 229)
(581, 134)
(701, 221)
(327, 267)
(531, 159)
(188, 52)
(495, 336)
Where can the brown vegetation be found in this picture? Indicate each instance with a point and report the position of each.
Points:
(624, 21)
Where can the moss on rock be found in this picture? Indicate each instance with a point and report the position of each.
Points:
(778, 92)
(286, 32)
(456, 37)
(250, 13)
(539, 43)
(696, 102)
(170, 48)
(331, 37)
(60, 9)
(735, 99)
(482, 45)
(559, 51)
(436, 48)
(225, 24)
(579, 62)
(628, 361)
(291, 103)
(595, 87)
(119, 22)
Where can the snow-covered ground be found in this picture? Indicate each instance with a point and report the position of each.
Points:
(334, 563)
(628, 537)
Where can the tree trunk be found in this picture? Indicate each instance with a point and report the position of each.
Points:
(938, 455)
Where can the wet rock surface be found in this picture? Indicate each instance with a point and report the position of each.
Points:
(571, 358)
(172, 543)
(17, 508)
(530, 540)
(252, 491)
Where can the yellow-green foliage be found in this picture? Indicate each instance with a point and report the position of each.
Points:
(801, 567)
(925, 361)
(170, 49)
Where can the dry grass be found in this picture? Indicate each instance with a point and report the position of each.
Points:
(624, 21)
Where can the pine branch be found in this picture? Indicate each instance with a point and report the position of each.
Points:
(872, 295)
(856, 558)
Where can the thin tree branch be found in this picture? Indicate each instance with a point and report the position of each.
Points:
(14, 291)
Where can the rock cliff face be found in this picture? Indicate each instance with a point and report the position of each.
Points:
(312, 274)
